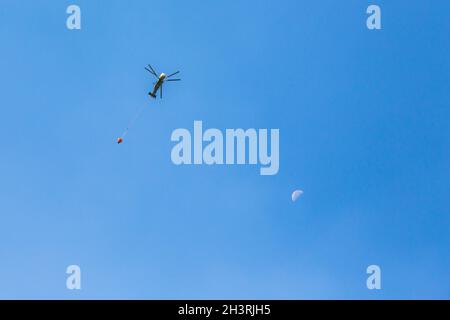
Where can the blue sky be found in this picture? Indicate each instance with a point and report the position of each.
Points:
(364, 131)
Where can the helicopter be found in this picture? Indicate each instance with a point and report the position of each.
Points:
(158, 85)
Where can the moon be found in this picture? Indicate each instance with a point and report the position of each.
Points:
(296, 194)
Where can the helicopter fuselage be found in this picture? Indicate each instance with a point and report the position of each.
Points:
(158, 84)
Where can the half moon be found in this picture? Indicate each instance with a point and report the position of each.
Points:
(296, 194)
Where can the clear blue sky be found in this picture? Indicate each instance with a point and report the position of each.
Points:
(364, 131)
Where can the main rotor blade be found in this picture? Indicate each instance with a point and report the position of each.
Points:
(173, 80)
(154, 72)
(173, 74)
(151, 72)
